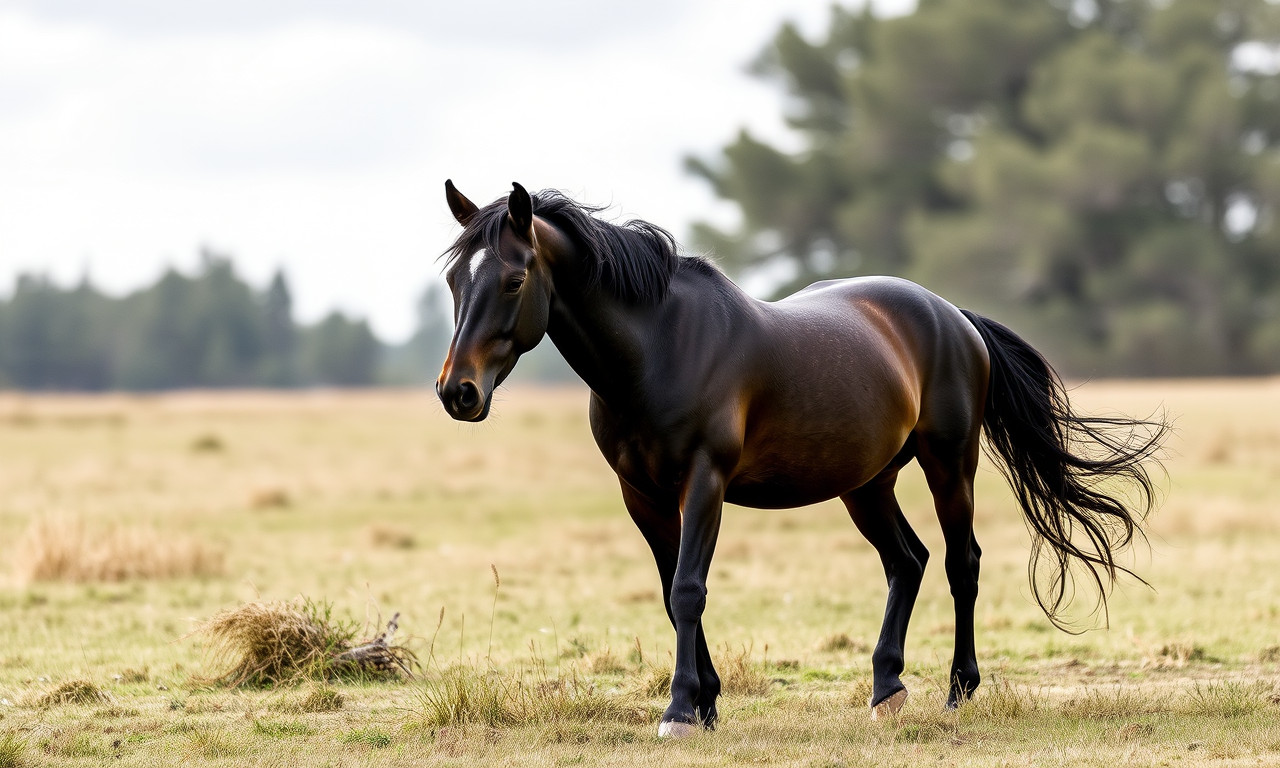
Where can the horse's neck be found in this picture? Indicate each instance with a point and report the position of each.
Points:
(604, 340)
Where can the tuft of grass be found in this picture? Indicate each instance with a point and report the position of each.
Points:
(72, 692)
(1001, 700)
(270, 643)
(213, 745)
(321, 698)
(739, 676)
(842, 642)
(59, 548)
(282, 729)
(605, 662)
(275, 643)
(131, 676)
(1118, 703)
(1230, 699)
(208, 442)
(374, 738)
(1175, 655)
(13, 751)
(387, 536)
(467, 696)
(655, 683)
(270, 498)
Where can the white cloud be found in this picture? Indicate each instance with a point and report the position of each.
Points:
(318, 135)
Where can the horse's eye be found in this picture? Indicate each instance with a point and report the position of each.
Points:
(513, 285)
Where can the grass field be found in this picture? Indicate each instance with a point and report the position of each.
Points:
(126, 522)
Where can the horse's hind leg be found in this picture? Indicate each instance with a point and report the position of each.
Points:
(949, 466)
(875, 511)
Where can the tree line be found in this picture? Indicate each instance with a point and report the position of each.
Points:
(1104, 176)
(210, 329)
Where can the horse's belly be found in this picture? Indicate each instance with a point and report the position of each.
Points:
(782, 487)
(773, 494)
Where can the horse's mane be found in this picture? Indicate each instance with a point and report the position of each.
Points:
(634, 261)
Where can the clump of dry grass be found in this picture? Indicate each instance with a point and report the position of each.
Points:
(1001, 700)
(59, 548)
(605, 662)
(320, 698)
(842, 642)
(131, 676)
(269, 498)
(739, 676)
(654, 683)
(274, 643)
(390, 536)
(1173, 655)
(207, 443)
(72, 692)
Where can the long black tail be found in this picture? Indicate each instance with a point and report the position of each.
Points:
(1057, 463)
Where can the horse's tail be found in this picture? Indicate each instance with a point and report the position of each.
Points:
(1058, 463)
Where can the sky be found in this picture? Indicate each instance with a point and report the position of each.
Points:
(315, 136)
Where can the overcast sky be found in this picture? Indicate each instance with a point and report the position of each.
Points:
(316, 136)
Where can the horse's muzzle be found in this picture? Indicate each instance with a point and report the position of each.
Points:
(463, 400)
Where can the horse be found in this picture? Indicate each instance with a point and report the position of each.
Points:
(701, 394)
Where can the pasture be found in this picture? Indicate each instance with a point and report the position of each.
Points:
(533, 604)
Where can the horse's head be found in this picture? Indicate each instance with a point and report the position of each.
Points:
(501, 300)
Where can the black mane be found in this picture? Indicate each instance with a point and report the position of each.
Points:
(634, 261)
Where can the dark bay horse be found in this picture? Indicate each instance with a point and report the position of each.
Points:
(701, 394)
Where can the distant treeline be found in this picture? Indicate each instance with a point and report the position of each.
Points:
(211, 330)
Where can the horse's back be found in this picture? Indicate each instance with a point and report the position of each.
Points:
(881, 351)
(924, 332)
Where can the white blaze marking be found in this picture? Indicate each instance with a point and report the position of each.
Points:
(476, 261)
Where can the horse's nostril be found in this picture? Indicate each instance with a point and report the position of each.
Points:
(468, 395)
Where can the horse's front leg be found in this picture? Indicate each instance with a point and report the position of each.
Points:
(700, 509)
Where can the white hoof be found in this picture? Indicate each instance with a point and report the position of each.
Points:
(890, 706)
(676, 730)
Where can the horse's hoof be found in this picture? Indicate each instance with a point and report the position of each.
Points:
(674, 729)
(890, 706)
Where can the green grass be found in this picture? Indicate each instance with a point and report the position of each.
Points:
(392, 507)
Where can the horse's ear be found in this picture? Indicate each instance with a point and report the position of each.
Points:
(463, 209)
(520, 211)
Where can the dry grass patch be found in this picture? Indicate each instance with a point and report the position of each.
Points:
(321, 698)
(462, 696)
(59, 548)
(842, 642)
(389, 536)
(72, 692)
(274, 643)
(739, 676)
(270, 498)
